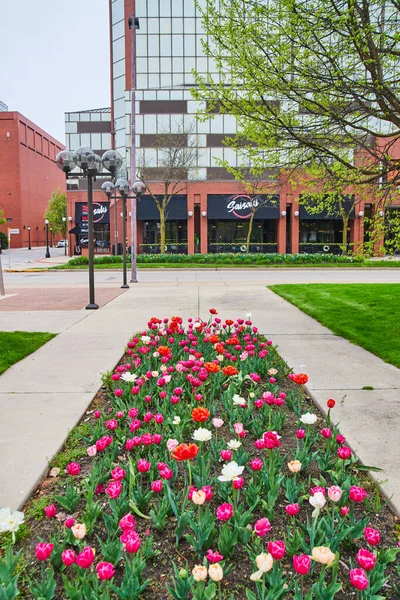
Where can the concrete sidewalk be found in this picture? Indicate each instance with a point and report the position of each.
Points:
(44, 396)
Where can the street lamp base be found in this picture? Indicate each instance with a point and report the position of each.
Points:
(47, 254)
(92, 306)
(125, 286)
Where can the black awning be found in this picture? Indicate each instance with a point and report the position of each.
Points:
(175, 211)
(326, 215)
(227, 207)
(75, 230)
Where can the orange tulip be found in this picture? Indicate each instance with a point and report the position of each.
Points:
(185, 452)
(200, 414)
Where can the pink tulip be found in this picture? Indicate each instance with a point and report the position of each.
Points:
(326, 432)
(256, 464)
(68, 557)
(259, 444)
(271, 440)
(302, 564)
(344, 510)
(50, 511)
(292, 509)
(118, 473)
(358, 579)
(226, 454)
(262, 526)
(225, 511)
(344, 452)
(73, 469)
(43, 550)
(238, 483)
(335, 493)
(214, 557)
(340, 439)
(157, 486)
(143, 465)
(114, 489)
(91, 450)
(118, 392)
(372, 536)
(300, 434)
(357, 494)
(277, 549)
(127, 522)
(105, 570)
(85, 558)
(97, 414)
(69, 523)
(366, 559)
(131, 540)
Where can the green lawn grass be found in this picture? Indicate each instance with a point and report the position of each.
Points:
(366, 314)
(15, 345)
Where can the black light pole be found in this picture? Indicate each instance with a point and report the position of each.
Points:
(47, 238)
(51, 237)
(123, 187)
(64, 220)
(69, 243)
(29, 238)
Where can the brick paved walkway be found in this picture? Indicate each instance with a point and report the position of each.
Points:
(24, 299)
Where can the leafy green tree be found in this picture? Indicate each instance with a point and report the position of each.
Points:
(2, 219)
(313, 84)
(56, 210)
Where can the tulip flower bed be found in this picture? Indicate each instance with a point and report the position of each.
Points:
(207, 474)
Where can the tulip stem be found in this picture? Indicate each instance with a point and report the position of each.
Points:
(219, 591)
(190, 474)
(302, 587)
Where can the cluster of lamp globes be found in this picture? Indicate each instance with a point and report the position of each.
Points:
(93, 164)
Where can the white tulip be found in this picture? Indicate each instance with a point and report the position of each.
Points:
(176, 420)
(308, 419)
(202, 435)
(238, 400)
(230, 471)
(10, 521)
(129, 377)
(234, 444)
(145, 339)
(318, 501)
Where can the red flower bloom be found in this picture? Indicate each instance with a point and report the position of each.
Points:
(366, 559)
(300, 378)
(229, 371)
(212, 367)
(277, 549)
(163, 350)
(213, 311)
(85, 558)
(302, 564)
(185, 452)
(43, 550)
(331, 403)
(105, 570)
(200, 414)
(213, 339)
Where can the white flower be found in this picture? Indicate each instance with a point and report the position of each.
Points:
(145, 339)
(156, 354)
(129, 377)
(176, 420)
(202, 435)
(167, 378)
(308, 419)
(197, 324)
(163, 368)
(154, 373)
(230, 471)
(191, 357)
(10, 521)
(220, 357)
(238, 400)
(234, 444)
(318, 501)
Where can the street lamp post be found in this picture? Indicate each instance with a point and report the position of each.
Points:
(51, 237)
(64, 220)
(47, 238)
(29, 238)
(69, 243)
(91, 165)
(123, 187)
(133, 25)
(138, 189)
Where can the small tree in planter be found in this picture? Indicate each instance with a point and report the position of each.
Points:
(176, 153)
(56, 210)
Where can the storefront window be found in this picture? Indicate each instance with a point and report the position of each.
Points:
(321, 235)
(175, 237)
(231, 236)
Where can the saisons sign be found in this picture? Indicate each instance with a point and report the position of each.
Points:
(241, 206)
(101, 214)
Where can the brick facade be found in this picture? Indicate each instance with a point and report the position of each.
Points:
(28, 176)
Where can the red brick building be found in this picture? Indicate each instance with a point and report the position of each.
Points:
(28, 176)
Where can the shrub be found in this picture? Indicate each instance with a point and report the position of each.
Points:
(3, 240)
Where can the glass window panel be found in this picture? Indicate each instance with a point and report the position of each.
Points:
(163, 95)
(85, 139)
(154, 80)
(153, 8)
(166, 80)
(165, 8)
(119, 49)
(177, 25)
(190, 25)
(141, 82)
(119, 87)
(154, 45)
(153, 25)
(154, 65)
(71, 127)
(119, 68)
(165, 25)
(141, 45)
(201, 65)
(120, 138)
(84, 116)
(150, 95)
(119, 123)
(190, 45)
(163, 123)
(177, 64)
(141, 8)
(189, 8)
(118, 30)
(74, 141)
(139, 124)
(141, 65)
(190, 63)
(177, 45)
(119, 108)
(189, 79)
(165, 45)
(106, 140)
(177, 8)
(96, 141)
(178, 79)
(166, 65)
(149, 124)
(106, 116)
(117, 10)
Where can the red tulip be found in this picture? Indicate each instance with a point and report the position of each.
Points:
(105, 570)
(85, 558)
(358, 579)
(302, 564)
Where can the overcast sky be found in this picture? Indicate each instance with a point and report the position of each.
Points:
(54, 58)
